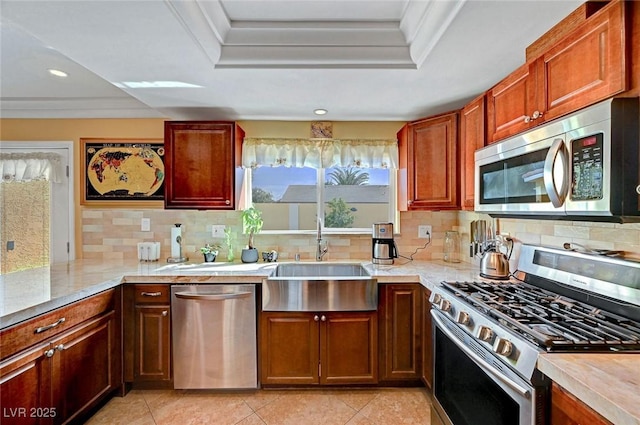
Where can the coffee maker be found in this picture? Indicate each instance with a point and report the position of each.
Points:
(383, 249)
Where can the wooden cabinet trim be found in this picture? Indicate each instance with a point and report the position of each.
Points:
(22, 335)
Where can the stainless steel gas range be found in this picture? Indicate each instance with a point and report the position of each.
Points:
(488, 334)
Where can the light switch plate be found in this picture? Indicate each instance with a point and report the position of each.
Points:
(217, 230)
(145, 224)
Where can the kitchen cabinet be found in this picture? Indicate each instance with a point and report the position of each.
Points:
(472, 138)
(567, 409)
(332, 348)
(148, 335)
(200, 161)
(46, 383)
(587, 65)
(428, 152)
(400, 314)
(427, 339)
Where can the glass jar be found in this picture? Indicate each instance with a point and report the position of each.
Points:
(452, 246)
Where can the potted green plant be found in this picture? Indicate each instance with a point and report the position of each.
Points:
(210, 252)
(251, 223)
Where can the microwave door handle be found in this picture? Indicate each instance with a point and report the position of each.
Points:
(558, 149)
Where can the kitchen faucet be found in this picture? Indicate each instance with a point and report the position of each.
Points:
(320, 250)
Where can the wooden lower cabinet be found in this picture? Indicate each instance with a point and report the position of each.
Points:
(81, 371)
(62, 379)
(328, 348)
(147, 335)
(427, 339)
(566, 409)
(400, 314)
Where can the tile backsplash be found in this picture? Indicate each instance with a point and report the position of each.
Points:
(114, 234)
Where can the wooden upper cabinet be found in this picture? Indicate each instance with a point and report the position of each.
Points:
(428, 151)
(472, 138)
(586, 66)
(200, 160)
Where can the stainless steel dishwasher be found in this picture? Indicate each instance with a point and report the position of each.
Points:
(214, 336)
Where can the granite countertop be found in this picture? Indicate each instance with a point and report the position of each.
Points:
(607, 382)
(26, 294)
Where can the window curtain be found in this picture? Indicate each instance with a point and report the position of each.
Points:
(325, 153)
(23, 167)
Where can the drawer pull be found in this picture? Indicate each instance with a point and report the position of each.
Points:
(53, 325)
(49, 353)
(151, 294)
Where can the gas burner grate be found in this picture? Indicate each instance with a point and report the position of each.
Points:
(549, 320)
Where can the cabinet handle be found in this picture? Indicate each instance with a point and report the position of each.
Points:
(527, 119)
(316, 318)
(51, 326)
(536, 115)
(50, 352)
(165, 313)
(228, 202)
(59, 347)
(151, 294)
(323, 318)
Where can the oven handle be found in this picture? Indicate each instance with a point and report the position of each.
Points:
(524, 392)
(557, 149)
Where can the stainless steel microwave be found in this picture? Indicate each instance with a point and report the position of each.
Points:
(582, 167)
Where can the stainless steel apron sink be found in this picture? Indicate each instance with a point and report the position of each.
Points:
(320, 287)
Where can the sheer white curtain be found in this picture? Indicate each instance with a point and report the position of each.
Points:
(324, 153)
(30, 166)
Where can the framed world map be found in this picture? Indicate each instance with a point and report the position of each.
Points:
(122, 170)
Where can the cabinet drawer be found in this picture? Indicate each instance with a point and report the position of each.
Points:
(30, 332)
(152, 294)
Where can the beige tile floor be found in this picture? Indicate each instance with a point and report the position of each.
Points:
(392, 406)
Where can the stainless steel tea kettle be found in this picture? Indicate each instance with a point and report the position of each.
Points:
(494, 263)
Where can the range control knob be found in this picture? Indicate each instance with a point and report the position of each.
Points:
(445, 305)
(436, 298)
(484, 333)
(463, 318)
(503, 347)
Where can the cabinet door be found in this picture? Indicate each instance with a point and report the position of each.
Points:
(588, 65)
(512, 102)
(566, 409)
(199, 165)
(400, 313)
(432, 151)
(427, 339)
(472, 138)
(152, 353)
(82, 367)
(289, 348)
(25, 388)
(349, 348)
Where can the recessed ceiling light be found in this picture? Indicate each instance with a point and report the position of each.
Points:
(58, 73)
(320, 111)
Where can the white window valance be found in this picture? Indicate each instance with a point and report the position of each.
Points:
(320, 153)
(30, 166)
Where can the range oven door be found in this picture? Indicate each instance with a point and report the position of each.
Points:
(523, 177)
(472, 387)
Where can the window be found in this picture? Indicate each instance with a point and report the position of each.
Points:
(348, 198)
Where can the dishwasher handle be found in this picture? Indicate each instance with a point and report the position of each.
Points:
(212, 297)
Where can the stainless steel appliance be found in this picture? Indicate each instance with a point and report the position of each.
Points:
(214, 336)
(582, 166)
(488, 334)
(383, 247)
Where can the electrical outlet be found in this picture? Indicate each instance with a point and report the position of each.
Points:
(217, 230)
(424, 231)
(145, 224)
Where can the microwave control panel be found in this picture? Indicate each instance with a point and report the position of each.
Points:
(587, 163)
